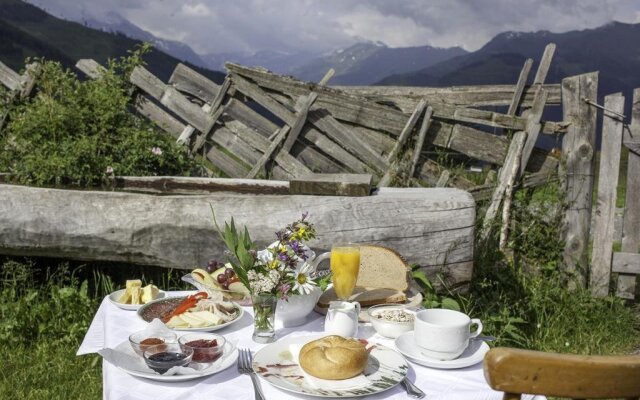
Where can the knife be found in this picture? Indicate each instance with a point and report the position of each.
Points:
(411, 389)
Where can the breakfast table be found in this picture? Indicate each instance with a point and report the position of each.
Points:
(111, 326)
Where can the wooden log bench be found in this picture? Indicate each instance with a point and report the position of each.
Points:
(432, 228)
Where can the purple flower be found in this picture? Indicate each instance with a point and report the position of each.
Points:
(305, 215)
(283, 257)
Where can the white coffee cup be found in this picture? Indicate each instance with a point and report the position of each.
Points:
(443, 334)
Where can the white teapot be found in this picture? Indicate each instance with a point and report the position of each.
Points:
(342, 318)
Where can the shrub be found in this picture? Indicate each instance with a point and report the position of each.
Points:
(76, 132)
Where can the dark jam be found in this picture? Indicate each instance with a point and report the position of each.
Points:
(171, 358)
(204, 350)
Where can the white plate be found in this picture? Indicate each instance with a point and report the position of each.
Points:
(113, 297)
(210, 328)
(124, 358)
(274, 363)
(472, 355)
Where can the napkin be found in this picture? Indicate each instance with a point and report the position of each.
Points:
(123, 356)
(317, 383)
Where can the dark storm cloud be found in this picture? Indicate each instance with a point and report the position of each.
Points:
(316, 25)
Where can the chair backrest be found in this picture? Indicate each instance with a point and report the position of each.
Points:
(515, 372)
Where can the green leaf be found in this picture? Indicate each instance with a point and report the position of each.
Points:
(421, 278)
(450, 304)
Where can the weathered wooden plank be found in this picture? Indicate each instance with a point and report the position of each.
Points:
(225, 139)
(255, 122)
(376, 116)
(519, 90)
(484, 192)
(159, 116)
(602, 231)
(432, 228)
(277, 141)
(332, 184)
(543, 67)
(225, 163)
(626, 263)
(300, 121)
(406, 131)
(325, 79)
(349, 139)
(443, 179)
(626, 287)
(188, 185)
(422, 135)
(28, 80)
(172, 99)
(577, 173)
(224, 89)
(512, 175)
(289, 117)
(533, 128)
(506, 172)
(193, 83)
(406, 97)
(9, 77)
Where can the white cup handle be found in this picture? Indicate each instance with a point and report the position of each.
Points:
(478, 330)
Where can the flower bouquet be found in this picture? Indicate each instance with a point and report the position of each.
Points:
(281, 270)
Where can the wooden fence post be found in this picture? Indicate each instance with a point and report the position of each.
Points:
(606, 202)
(631, 223)
(577, 172)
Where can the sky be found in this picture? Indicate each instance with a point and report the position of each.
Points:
(319, 26)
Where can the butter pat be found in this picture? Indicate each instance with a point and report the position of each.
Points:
(149, 293)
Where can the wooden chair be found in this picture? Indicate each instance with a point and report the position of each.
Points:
(515, 372)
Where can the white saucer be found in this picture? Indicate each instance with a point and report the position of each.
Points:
(472, 354)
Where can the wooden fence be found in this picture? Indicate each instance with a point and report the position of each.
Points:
(259, 124)
(616, 134)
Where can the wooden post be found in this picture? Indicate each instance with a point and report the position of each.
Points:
(602, 233)
(422, 135)
(631, 222)
(577, 173)
(522, 81)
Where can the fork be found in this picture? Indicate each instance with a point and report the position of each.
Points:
(244, 367)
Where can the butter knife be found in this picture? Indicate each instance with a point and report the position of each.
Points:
(411, 389)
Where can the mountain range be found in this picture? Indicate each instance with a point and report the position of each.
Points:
(28, 31)
(611, 49)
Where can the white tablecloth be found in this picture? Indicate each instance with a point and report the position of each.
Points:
(112, 325)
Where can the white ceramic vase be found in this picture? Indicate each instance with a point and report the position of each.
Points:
(294, 311)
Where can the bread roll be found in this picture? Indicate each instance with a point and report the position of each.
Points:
(333, 357)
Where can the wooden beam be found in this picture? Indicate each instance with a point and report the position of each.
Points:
(28, 81)
(533, 128)
(356, 185)
(406, 131)
(225, 163)
(577, 172)
(91, 68)
(443, 179)
(357, 110)
(406, 97)
(626, 287)
(626, 263)
(543, 67)
(603, 229)
(301, 119)
(422, 135)
(504, 177)
(188, 185)
(277, 141)
(193, 83)
(9, 77)
(325, 79)
(522, 81)
(172, 99)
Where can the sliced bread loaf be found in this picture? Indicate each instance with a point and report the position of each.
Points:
(381, 267)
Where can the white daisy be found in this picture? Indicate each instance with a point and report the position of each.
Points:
(301, 280)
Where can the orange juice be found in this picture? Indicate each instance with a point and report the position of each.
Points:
(345, 264)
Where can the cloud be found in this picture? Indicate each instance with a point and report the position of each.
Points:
(214, 26)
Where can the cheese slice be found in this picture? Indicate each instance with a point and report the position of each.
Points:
(149, 293)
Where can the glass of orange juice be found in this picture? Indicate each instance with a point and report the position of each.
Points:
(345, 265)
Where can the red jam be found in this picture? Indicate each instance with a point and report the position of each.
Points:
(204, 350)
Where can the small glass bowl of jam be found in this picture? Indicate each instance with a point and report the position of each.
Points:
(163, 357)
(140, 341)
(207, 347)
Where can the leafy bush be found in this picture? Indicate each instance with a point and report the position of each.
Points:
(77, 132)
